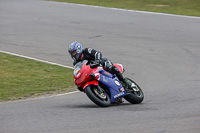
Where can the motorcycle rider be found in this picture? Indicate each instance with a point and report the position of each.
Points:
(79, 54)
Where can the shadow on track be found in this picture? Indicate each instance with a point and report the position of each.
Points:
(123, 106)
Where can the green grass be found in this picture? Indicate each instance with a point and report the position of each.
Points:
(22, 78)
(180, 7)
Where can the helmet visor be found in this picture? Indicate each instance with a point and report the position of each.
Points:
(73, 54)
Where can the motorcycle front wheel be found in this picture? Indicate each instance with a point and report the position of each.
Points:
(135, 97)
(100, 98)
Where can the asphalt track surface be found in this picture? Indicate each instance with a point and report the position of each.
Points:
(160, 52)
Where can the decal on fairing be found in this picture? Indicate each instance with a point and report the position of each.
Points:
(118, 95)
(122, 89)
(105, 80)
(106, 73)
(76, 70)
(117, 83)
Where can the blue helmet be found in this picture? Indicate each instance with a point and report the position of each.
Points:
(75, 50)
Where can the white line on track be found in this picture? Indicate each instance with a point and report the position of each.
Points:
(119, 9)
(48, 62)
(40, 97)
(52, 63)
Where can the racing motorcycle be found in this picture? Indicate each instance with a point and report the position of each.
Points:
(102, 87)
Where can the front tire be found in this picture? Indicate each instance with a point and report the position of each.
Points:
(100, 99)
(135, 97)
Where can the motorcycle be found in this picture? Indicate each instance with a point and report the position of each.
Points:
(102, 87)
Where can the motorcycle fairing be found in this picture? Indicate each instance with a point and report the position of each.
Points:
(113, 84)
(81, 76)
(93, 82)
(120, 67)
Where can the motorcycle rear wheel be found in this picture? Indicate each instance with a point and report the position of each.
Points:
(135, 97)
(102, 100)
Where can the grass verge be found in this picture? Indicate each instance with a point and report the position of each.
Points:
(180, 7)
(22, 78)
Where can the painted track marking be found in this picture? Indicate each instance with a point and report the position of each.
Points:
(48, 62)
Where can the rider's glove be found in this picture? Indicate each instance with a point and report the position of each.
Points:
(96, 63)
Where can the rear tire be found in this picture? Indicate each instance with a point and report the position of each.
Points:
(100, 100)
(135, 97)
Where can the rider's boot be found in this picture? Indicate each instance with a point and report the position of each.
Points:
(128, 83)
(121, 77)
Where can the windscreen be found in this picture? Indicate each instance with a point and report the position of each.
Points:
(78, 66)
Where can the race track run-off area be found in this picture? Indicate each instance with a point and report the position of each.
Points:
(159, 51)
